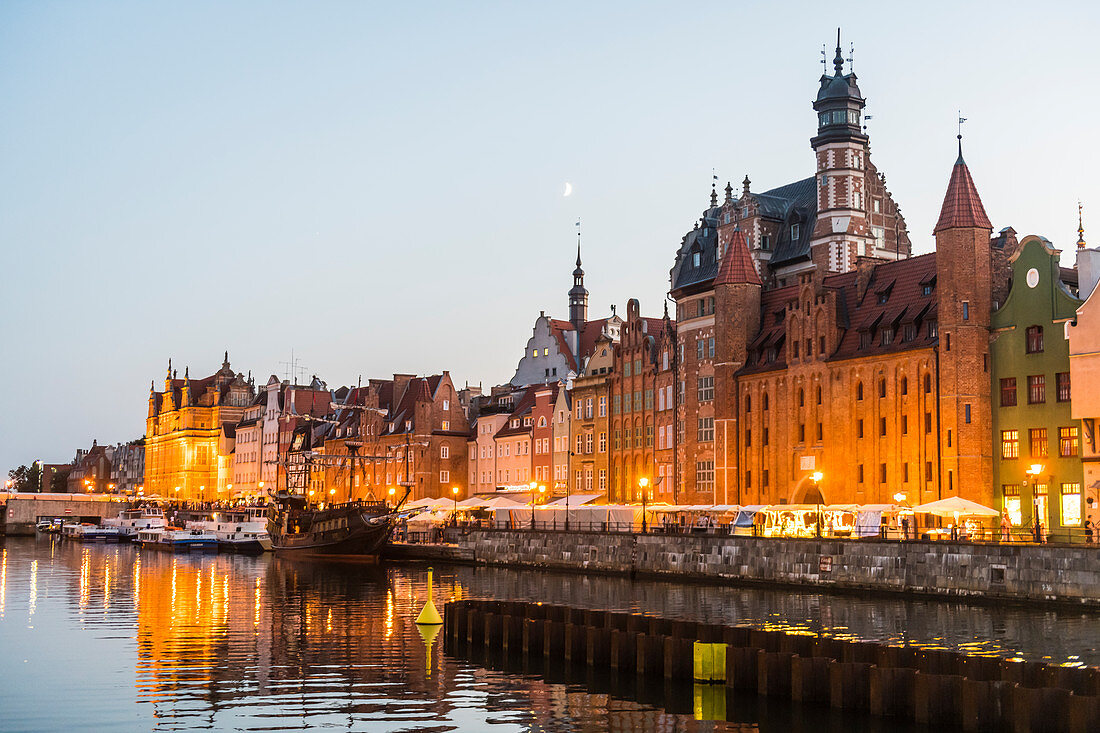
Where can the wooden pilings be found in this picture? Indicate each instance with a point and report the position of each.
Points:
(936, 687)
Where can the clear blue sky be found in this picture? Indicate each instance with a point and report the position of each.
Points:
(379, 185)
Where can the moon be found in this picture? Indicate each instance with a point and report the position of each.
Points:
(568, 189)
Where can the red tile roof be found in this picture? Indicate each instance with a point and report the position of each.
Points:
(962, 207)
(736, 266)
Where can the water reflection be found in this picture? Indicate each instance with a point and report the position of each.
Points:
(179, 642)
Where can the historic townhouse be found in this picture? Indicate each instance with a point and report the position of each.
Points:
(542, 434)
(1084, 368)
(187, 447)
(641, 408)
(590, 446)
(1037, 463)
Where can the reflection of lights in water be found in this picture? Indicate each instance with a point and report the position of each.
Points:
(198, 594)
(172, 605)
(389, 613)
(106, 584)
(328, 621)
(84, 561)
(34, 590)
(3, 579)
(256, 617)
(137, 577)
(225, 598)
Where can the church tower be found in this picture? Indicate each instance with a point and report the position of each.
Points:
(841, 232)
(964, 300)
(578, 298)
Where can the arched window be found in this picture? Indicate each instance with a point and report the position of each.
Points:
(748, 403)
(927, 383)
(859, 390)
(819, 394)
(801, 397)
(765, 400)
(882, 388)
(904, 385)
(542, 421)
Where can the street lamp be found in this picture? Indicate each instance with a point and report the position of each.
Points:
(392, 492)
(454, 495)
(533, 485)
(643, 482)
(816, 476)
(1035, 470)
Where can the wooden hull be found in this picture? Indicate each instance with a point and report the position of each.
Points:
(341, 533)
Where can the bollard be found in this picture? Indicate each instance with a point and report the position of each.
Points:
(598, 647)
(532, 637)
(937, 699)
(849, 685)
(985, 704)
(773, 673)
(679, 658)
(810, 679)
(709, 661)
(890, 692)
(624, 649)
(741, 667)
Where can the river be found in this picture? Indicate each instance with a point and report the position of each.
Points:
(96, 637)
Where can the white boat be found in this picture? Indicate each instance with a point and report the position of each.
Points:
(95, 533)
(132, 521)
(175, 539)
(69, 530)
(241, 530)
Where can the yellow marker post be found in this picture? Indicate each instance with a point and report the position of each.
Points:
(428, 615)
(428, 633)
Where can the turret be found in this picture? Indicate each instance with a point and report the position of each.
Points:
(578, 300)
(964, 295)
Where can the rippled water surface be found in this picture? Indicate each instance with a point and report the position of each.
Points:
(96, 637)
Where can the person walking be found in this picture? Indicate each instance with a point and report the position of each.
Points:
(1089, 527)
(1005, 527)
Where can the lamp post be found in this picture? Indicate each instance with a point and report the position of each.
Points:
(817, 476)
(454, 497)
(643, 483)
(533, 485)
(1035, 470)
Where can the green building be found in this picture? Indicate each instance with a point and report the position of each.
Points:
(1037, 445)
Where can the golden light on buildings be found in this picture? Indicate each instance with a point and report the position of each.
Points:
(643, 482)
(454, 490)
(260, 485)
(332, 492)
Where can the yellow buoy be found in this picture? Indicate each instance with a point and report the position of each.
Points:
(428, 615)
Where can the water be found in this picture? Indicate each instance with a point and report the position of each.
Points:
(96, 637)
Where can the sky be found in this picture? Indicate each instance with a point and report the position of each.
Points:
(379, 186)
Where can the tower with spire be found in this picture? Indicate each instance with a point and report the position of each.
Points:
(964, 300)
(841, 232)
(578, 295)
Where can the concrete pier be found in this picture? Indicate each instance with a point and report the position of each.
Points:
(937, 688)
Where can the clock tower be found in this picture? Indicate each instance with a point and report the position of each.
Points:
(841, 232)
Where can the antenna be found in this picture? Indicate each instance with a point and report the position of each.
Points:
(292, 368)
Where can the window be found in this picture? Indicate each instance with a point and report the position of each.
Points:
(748, 402)
(820, 432)
(882, 426)
(603, 479)
(446, 404)
(801, 397)
(603, 407)
(928, 470)
(1036, 389)
(626, 403)
(765, 242)
(603, 442)
(444, 452)
(908, 332)
(649, 399)
(882, 388)
(588, 442)
(444, 477)
(1010, 444)
(801, 432)
(616, 405)
(794, 232)
(859, 428)
(927, 383)
(933, 329)
(445, 425)
(704, 475)
(1008, 392)
(765, 400)
(588, 409)
(1068, 442)
(706, 430)
(882, 473)
(821, 344)
(859, 474)
(1037, 437)
(818, 394)
(926, 289)
(700, 348)
(1034, 339)
(966, 310)
(927, 422)
(1011, 494)
(617, 438)
(966, 413)
(859, 390)
(794, 349)
(648, 436)
(904, 424)
(1071, 504)
(696, 258)
(765, 435)
(710, 348)
(1061, 384)
(706, 389)
(580, 445)
(905, 385)
(580, 409)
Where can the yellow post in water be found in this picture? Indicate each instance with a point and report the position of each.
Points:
(429, 615)
(428, 633)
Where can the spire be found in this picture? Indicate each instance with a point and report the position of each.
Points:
(169, 375)
(737, 267)
(1080, 228)
(838, 60)
(713, 195)
(225, 362)
(962, 207)
(729, 192)
(745, 185)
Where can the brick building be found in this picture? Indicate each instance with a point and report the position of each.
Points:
(810, 341)
(590, 449)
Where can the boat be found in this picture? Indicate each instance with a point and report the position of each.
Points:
(96, 533)
(352, 530)
(243, 529)
(177, 539)
(131, 521)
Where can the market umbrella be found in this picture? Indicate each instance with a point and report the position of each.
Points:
(956, 505)
(420, 503)
(499, 502)
(472, 503)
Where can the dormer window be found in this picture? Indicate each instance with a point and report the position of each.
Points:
(696, 258)
(765, 242)
(794, 232)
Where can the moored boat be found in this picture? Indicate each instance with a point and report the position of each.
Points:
(132, 521)
(175, 539)
(96, 533)
(353, 530)
(242, 529)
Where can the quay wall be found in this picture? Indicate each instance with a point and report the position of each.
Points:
(20, 512)
(1033, 573)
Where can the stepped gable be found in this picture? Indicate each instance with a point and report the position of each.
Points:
(962, 206)
(737, 266)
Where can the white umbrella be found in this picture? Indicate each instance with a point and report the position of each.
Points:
(472, 503)
(956, 505)
(499, 502)
(420, 503)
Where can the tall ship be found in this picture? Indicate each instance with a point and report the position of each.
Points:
(300, 527)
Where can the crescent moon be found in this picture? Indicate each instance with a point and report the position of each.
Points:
(568, 189)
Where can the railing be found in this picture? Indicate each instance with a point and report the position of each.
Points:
(1015, 536)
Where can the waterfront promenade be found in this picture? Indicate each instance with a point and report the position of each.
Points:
(1066, 574)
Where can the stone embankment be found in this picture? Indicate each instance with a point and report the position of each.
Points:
(1031, 573)
(937, 688)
